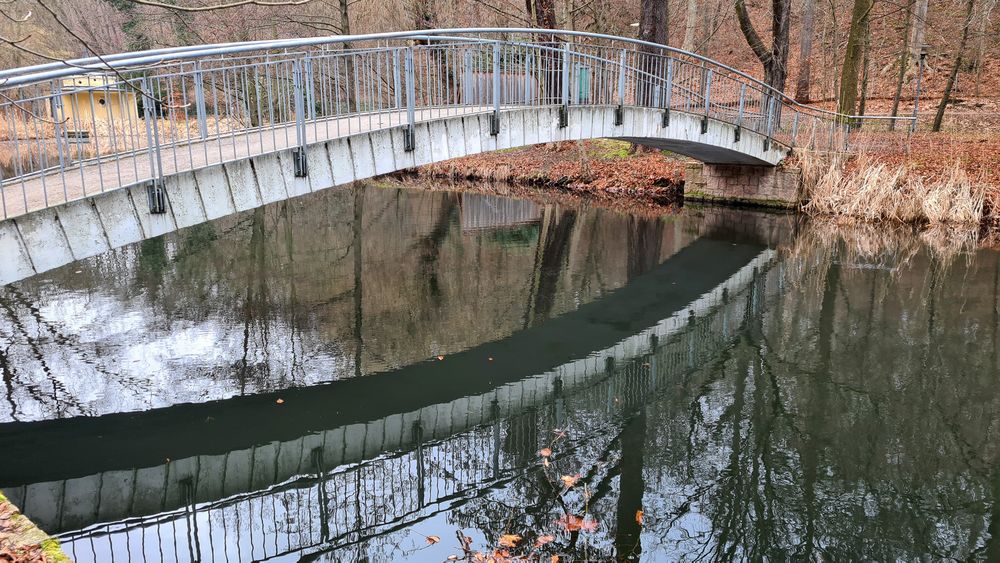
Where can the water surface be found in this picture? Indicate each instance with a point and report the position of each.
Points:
(342, 376)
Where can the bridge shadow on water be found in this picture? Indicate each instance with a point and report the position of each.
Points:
(385, 365)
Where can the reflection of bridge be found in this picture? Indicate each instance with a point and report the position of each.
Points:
(273, 120)
(276, 491)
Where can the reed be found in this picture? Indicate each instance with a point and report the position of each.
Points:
(868, 188)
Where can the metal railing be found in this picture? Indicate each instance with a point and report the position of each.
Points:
(76, 128)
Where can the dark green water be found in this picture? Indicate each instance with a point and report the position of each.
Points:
(340, 377)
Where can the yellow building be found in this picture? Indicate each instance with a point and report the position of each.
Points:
(97, 101)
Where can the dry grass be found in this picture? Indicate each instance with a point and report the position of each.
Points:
(869, 188)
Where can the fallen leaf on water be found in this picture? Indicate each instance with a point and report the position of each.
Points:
(574, 523)
(638, 517)
(491, 359)
(509, 540)
(570, 480)
(545, 452)
(440, 357)
(280, 401)
(542, 540)
(433, 539)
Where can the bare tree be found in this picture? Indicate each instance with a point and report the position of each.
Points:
(904, 57)
(803, 83)
(853, 56)
(917, 37)
(690, 25)
(774, 59)
(654, 17)
(970, 10)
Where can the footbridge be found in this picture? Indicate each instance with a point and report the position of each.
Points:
(334, 475)
(103, 152)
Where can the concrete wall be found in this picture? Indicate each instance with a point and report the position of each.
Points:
(766, 186)
(46, 239)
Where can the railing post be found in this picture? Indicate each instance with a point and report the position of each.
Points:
(310, 90)
(58, 116)
(495, 118)
(708, 102)
(408, 132)
(769, 127)
(155, 196)
(564, 108)
(741, 111)
(199, 100)
(527, 78)
(397, 95)
(468, 86)
(620, 110)
(670, 93)
(795, 128)
(299, 154)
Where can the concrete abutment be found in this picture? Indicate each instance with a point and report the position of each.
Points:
(742, 184)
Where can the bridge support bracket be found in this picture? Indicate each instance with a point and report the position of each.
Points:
(767, 143)
(301, 165)
(563, 116)
(494, 124)
(736, 135)
(409, 139)
(619, 115)
(156, 196)
(704, 125)
(666, 119)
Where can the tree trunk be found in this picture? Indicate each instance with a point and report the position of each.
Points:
(852, 58)
(773, 59)
(986, 10)
(970, 7)
(917, 39)
(904, 56)
(653, 27)
(866, 63)
(345, 29)
(803, 83)
(543, 14)
(690, 26)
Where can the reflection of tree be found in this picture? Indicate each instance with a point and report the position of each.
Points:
(552, 251)
(430, 245)
(631, 487)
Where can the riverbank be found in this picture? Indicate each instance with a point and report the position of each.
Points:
(23, 542)
(603, 170)
(926, 178)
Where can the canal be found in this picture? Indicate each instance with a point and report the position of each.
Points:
(376, 373)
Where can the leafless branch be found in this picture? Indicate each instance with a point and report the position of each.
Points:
(238, 3)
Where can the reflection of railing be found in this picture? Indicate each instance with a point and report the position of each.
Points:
(480, 212)
(68, 130)
(319, 508)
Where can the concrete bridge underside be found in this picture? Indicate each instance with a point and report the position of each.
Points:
(44, 238)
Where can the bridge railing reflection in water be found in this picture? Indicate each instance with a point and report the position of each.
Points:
(345, 494)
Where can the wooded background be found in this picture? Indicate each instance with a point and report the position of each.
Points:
(859, 56)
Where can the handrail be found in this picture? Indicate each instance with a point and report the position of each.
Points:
(153, 56)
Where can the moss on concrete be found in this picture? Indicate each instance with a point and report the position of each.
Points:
(695, 195)
(20, 538)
